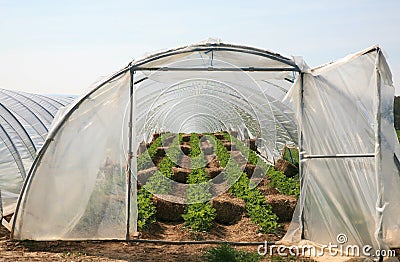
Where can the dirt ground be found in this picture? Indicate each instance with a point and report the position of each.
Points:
(131, 251)
(123, 251)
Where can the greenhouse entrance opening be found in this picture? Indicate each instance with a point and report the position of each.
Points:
(190, 138)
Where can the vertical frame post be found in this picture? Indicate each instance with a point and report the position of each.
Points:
(378, 155)
(130, 190)
(301, 153)
(133, 160)
(1, 208)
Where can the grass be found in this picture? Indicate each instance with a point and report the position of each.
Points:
(227, 253)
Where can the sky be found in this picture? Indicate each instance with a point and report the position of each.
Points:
(62, 47)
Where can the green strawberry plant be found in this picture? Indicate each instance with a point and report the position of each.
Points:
(285, 185)
(257, 208)
(200, 214)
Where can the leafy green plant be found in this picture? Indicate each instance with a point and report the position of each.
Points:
(173, 152)
(199, 215)
(146, 210)
(165, 167)
(144, 160)
(227, 253)
(200, 189)
(221, 152)
(158, 183)
(194, 145)
(252, 157)
(257, 208)
(284, 184)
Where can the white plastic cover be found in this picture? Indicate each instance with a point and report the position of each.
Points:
(24, 122)
(83, 171)
(346, 108)
(207, 87)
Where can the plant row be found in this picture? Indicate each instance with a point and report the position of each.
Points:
(285, 185)
(145, 159)
(257, 208)
(199, 214)
(146, 208)
(161, 181)
(157, 183)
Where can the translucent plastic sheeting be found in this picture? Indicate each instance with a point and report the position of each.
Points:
(212, 52)
(217, 87)
(24, 122)
(254, 97)
(221, 105)
(83, 172)
(346, 108)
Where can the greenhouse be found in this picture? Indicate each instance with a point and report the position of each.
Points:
(25, 121)
(340, 116)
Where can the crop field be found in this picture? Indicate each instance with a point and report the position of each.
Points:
(252, 190)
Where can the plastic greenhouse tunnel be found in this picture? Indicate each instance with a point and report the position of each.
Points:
(24, 123)
(123, 143)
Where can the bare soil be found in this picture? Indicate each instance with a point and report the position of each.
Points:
(244, 230)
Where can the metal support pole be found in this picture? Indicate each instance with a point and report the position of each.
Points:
(339, 156)
(378, 156)
(218, 69)
(1, 208)
(133, 161)
(130, 156)
(300, 130)
(290, 154)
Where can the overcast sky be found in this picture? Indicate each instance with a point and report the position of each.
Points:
(62, 47)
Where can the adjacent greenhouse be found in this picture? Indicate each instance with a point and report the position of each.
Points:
(25, 121)
(339, 115)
